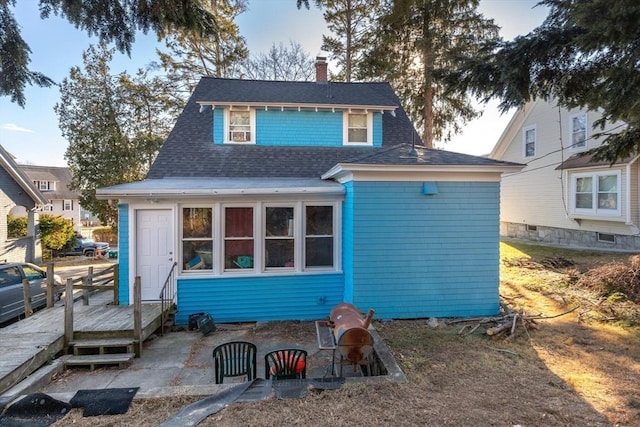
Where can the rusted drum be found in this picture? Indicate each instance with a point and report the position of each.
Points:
(353, 339)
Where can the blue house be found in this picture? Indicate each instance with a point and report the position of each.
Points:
(279, 200)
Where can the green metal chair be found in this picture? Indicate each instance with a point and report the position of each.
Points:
(283, 364)
(234, 359)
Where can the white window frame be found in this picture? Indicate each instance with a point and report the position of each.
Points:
(595, 210)
(572, 131)
(345, 128)
(524, 141)
(47, 208)
(252, 125)
(64, 205)
(259, 209)
(221, 244)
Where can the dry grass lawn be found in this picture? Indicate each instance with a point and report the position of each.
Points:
(580, 368)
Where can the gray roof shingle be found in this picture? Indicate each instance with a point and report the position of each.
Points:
(189, 150)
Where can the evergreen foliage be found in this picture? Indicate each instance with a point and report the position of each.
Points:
(352, 23)
(416, 42)
(110, 20)
(56, 232)
(16, 226)
(585, 54)
(115, 125)
(217, 54)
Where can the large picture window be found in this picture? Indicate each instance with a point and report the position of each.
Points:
(597, 193)
(197, 239)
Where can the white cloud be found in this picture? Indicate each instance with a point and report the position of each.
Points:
(15, 128)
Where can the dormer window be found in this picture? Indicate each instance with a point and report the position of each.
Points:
(358, 129)
(241, 126)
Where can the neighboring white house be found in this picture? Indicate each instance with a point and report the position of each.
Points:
(561, 197)
(53, 182)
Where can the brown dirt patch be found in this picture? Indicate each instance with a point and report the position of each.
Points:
(576, 369)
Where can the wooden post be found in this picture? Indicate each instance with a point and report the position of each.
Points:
(68, 313)
(26, 294)
(116, 285)
(50, 285)
(88, 281)
(137, 314)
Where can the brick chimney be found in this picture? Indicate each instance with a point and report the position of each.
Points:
(321, 69)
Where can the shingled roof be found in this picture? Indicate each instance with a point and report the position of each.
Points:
(61, 175)
(190, 152)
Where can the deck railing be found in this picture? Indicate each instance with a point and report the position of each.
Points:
(168, 295)
(107, 279)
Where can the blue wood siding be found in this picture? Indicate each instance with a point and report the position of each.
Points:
(243, 299)
(347, 241)
(309, 128)
(417, 255)
(218, 126)
(123, 253)
(377, 129)
(301, 128)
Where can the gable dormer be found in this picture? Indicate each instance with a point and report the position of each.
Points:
(318, 114)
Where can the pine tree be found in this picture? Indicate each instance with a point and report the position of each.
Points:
(219, 54)
(351, 22)
(417, 42)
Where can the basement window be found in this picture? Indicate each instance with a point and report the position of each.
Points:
(606, 238)
(532, 227)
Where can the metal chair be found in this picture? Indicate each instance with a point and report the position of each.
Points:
(285, 364)
(234, 359)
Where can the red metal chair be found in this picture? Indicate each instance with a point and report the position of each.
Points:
(285, 364)
(234, 359)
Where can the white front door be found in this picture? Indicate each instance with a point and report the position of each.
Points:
(154, 250)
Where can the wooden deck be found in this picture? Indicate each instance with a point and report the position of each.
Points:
(30, 343)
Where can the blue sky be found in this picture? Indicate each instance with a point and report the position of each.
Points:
(32, 134)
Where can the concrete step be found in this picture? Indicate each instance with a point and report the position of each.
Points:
(121, 360)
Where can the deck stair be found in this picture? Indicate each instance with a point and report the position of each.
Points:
(101, 352)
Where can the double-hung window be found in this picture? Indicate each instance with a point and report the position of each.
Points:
(279, 237)
(319, 238)
(197, 238)
(597, 193)
(238, 238)
(579, 131)
(67, 205)
(241, 126)
(529, 141)
(358, 128)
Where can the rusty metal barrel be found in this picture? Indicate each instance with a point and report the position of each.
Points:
(350, 330)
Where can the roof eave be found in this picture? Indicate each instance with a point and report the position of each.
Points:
(341, 169)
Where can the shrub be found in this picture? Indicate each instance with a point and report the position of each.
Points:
(56, 232)
(16, 227)
(105, 234)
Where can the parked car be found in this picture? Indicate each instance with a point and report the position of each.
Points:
(88, 247)
(11, 293)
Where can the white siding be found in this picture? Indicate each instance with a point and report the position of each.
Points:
(537, 195)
